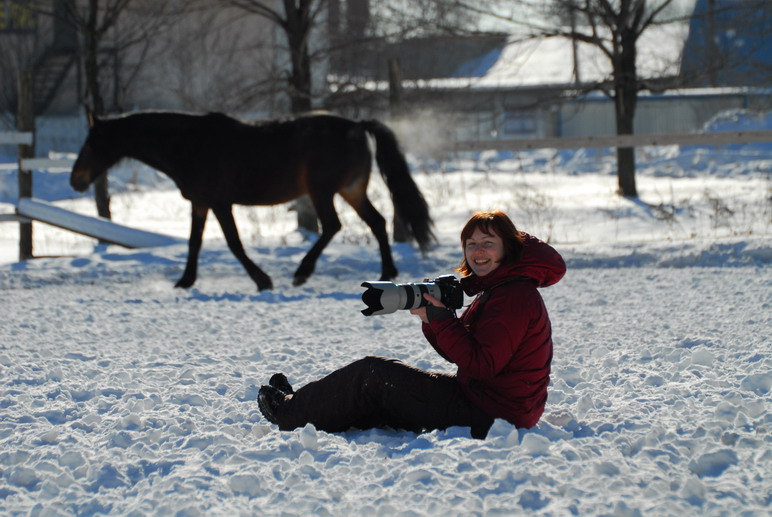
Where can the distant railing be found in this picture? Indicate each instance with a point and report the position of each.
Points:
(15, 138)
(715, 138)
(28, 209)
(27, 164)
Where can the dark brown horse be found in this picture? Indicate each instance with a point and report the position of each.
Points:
(217, 161)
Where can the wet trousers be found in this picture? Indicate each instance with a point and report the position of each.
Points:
(376, 392)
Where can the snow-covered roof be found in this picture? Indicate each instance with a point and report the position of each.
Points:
(549, 61)
(526, 62)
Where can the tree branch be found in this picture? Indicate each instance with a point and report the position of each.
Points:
(650, 20)
(261, 9)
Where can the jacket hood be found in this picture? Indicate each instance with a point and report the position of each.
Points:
(540, 262)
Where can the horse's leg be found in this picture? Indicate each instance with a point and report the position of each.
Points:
(224, 215)
(361, 204)
(325, 209)
(197, 222)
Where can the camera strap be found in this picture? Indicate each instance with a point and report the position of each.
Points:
(486, 294)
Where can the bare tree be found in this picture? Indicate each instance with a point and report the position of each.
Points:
(614, 28)
(403, 19)
(103, 46)
(92, 21)
(21, 42)
(347, 24)
(297, 21)
(218, 60)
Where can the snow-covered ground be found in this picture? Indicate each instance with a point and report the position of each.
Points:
(121, 395)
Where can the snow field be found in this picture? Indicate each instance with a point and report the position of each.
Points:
(121, 395)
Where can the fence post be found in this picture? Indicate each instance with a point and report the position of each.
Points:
(25, 122)
(395, 105)
(307, 218)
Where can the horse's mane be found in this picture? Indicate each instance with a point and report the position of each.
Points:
(150, 112)
(214, 116)
(264, 123)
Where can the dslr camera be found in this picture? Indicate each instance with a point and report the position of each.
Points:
(385, 297)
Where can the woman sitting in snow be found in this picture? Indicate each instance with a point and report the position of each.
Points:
(502, 345)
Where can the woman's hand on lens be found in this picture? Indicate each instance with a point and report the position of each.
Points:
(421, 311)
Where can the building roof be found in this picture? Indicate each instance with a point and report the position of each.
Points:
(545, 62)
(549, 61)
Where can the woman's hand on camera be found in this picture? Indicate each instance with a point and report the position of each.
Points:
(421, 311)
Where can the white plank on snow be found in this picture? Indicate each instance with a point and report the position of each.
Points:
(96, 227)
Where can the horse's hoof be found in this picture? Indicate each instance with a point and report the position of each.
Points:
(265, 286)
(299, 280)
(184, 284)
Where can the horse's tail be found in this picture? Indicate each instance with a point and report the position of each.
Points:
(409, 203)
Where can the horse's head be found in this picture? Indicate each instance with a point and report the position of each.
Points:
(96, 156)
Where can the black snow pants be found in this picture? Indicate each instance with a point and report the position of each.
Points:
(376, 392)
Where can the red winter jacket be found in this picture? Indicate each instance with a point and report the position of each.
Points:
(503, 345)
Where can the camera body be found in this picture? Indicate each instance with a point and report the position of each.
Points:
(385, 297)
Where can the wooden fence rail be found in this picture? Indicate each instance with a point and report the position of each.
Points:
(715, 138)
(15, 138)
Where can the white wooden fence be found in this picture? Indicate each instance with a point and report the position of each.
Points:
(27, 164)
(28, 209)
(715, 138)
(15, 138)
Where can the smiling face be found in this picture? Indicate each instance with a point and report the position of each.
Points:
(483, 252)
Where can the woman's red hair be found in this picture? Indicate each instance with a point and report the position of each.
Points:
(493, 223)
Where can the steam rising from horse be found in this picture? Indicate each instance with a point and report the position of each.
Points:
(217, 161)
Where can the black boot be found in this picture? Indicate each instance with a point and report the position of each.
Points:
(280, 382)
(269, 400)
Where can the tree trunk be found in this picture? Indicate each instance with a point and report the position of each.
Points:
(300, 76)
(625, 100)
(307, 218)
(25, 122)
(626, 172)
(300, 95)
(91, 65)
(713, 63)
(395, 104)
